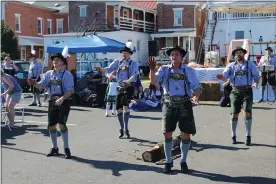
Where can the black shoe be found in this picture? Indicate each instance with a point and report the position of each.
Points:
(121, 133)
(127, 134)
(184, 167)
(248, 140)
(168, 168)
(234, 141)
(260, 101)
(33, 104)
(67, 153)
(53, 152)
(39, 105)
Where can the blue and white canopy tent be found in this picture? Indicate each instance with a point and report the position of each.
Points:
(88, 44)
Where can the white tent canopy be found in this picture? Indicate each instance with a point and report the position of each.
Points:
(246, 7)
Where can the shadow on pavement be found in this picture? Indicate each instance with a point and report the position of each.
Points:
(6, 134)
(142, 141)
(200, 147)
(117, 166)
(230, 179)
(144, 117)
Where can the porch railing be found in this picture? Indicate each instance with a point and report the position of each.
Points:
(133, 24)
(241, 15)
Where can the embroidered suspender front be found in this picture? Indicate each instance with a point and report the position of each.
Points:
(184, 80)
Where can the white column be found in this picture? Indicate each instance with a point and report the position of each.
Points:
(119, 15)
(144, 21)
(155, 22)
(178, 41)
(189, 43)
(227, 36)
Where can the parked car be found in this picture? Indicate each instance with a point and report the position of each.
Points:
(83, 67)
(22, 74)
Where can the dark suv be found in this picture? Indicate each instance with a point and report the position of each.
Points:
(22, 74)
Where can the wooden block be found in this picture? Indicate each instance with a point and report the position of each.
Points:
(211, 91)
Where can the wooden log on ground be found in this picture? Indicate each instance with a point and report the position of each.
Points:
(210, 91)
(156, 153)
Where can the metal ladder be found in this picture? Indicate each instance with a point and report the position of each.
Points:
(202, 40)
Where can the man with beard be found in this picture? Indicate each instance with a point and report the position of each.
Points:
(60, 85)
(268, 59)
(178, 82)
(126, 75)
(241, 74)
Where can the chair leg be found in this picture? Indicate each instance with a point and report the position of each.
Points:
(23, 115)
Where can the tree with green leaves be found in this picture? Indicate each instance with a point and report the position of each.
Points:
(9, 43)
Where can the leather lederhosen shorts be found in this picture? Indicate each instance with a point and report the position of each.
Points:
(178, 109)
(124, 96)
(58, 114)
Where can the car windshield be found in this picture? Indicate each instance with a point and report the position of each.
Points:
(82, 66)
(95, 64)
(23, 67)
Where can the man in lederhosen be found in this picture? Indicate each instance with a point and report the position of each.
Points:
(34, 73)
(179, 82)
(268, 59)
(241, 73)
(126, 74)
(60, 85)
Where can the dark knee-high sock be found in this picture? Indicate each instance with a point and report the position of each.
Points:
(234, 123)
(121, 120)
(248, 123)
(64, 135)
(184, 146)
(263, 90)
(168, 150)
(126, 118)
(53, 135)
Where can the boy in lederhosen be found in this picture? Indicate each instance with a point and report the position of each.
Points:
(126, 74)
(178, 82)
(60, 85)
(268, 59)
(34, 73)
(241, 73)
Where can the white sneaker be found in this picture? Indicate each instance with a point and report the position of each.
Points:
(113, 113)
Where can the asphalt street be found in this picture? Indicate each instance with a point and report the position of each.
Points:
(100, 157)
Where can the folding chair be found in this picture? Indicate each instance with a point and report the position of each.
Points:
(4, 113)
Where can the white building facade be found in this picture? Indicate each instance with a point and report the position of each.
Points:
(255, 27)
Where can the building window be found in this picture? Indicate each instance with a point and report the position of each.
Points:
(23, 53)
(17, 23)
(126, 13)
(169, 42)
(83, 12)
(49, 26)
(116, 15)
(40, 26)
(41, 53)
(239, 35)
(177, 16)
(59, 26)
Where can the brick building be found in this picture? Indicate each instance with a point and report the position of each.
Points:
(179, 23)
(30, 22)
(112, 16)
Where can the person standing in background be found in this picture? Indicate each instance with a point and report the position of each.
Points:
(34, 73)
